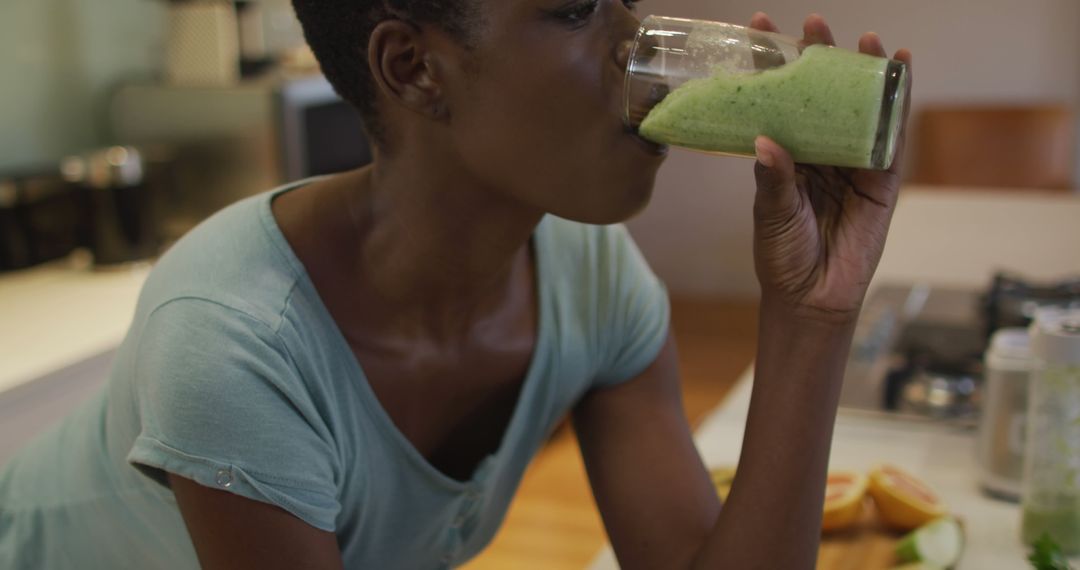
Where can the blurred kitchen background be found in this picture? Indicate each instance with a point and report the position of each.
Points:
(79, 76)
(125, 122)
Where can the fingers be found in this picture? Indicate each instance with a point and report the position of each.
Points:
(905, 56)
(766, 54)
(777, 196)
(870, 44)
(816, 31)
(761, 21)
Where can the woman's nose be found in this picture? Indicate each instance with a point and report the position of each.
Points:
(622, 53)
(624, 31)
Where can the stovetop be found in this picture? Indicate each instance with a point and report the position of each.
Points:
(918, 350)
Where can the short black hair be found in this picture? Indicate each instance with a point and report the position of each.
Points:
(338, 32)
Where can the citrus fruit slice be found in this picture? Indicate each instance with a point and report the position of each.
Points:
(903, 501)
(938, 544)
(844, 493)
(722, 478)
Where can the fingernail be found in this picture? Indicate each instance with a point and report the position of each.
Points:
(762, 151)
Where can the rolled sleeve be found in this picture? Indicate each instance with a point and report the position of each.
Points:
(220, 402)
(635, 311)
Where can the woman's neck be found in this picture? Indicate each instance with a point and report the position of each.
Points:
(434, 247)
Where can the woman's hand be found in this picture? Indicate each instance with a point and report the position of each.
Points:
(819, 230)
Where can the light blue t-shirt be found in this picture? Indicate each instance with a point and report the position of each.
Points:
(234, 374)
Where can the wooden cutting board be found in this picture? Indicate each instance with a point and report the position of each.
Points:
(869, 545)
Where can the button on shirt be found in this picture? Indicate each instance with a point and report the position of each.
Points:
(234, 374)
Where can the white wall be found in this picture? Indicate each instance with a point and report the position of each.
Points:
(58, 59)
(697, 231)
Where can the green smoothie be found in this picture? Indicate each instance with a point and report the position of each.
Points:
(1061, 523)
(824, 108)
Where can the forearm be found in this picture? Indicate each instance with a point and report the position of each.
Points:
(772, 517)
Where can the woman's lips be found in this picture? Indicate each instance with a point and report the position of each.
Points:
(638, 107)
(647, 145)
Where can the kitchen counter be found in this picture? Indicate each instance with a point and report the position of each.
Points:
(54, 316)
(943, 237)
(59, 328)
(942, 457)
(959, 238)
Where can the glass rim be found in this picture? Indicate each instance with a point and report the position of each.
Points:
(630, 69)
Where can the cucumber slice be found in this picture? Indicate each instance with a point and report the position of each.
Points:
(917, 566)
(939, 543)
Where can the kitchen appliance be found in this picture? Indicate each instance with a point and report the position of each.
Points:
(120, 203)
(41, 218)
(232, 142)
(106, 202)
(917, 352)
(1002, 423)
(203, 43)
(254, 53)
(1013, 301)
(1051, 489)
(218, 42)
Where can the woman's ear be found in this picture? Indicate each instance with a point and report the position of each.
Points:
(402, 68)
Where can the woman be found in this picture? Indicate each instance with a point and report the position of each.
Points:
(354, 371)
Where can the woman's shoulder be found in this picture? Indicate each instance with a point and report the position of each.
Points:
(607, 289)
(578, 239)
(588, 251)
(232, 260)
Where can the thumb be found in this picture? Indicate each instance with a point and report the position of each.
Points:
(777, 197)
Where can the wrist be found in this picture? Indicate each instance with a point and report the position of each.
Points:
(800, 349)
(776, 309)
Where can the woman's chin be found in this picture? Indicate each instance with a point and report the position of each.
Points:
(615, 207)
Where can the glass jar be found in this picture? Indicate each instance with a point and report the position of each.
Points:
(1051, 491)
(715, 87)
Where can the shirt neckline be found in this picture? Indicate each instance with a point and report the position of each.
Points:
(366, 393)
